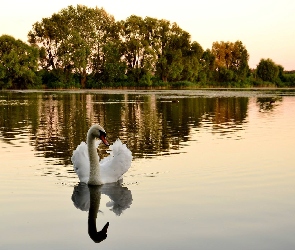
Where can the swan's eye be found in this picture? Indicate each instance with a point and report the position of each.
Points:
(102, 133)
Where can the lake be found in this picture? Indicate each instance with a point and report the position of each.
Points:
(211, 169)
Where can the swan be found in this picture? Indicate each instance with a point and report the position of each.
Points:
(86, 161)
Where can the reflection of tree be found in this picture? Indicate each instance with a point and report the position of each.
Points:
(16, 115)
(230, 109)
(57, 122)
(268, 103)
(229, 114)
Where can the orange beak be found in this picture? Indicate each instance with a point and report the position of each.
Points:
(104, 140)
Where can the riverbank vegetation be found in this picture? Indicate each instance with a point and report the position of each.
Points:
(82, 47)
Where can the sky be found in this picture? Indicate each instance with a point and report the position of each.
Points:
(265, 27)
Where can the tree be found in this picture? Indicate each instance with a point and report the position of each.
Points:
(140, 45)
(133, 41)
(192, 62)
(113, 70)
(231, 61)
(207, 71)
(174, 45)
(240, 58)
(72, 41)
(18, 64)
(267, 70)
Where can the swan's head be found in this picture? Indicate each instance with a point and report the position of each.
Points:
(98, 131)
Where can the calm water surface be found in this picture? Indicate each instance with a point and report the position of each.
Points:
(211, 170)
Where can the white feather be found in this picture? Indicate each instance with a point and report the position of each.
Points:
(112, 168)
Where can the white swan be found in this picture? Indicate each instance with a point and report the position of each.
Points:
(110, 169)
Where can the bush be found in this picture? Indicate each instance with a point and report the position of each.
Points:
(267, 70)
(290, 80)
(181, 84)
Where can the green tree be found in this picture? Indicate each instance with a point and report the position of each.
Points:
(18, 64)
(240, 58)
(72, 41)
(139, 39)
(113, 70)
(132, 34)
(192, 62)
(176, 50)
(207, 67)
(157, 48)
(174, 46)
(267, 70)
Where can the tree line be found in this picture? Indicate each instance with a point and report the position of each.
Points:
(82, 47)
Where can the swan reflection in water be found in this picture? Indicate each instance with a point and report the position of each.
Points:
(87, 198)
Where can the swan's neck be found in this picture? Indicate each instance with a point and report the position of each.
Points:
(94, 176)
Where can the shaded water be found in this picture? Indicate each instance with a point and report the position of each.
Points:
(211, 170)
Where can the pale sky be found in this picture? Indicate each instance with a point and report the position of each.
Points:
(265, 27)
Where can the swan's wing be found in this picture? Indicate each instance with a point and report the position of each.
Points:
(80, 160)
(116, 164)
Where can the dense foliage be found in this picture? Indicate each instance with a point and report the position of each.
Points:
(81, 47)
(18, 64)
(231, 60)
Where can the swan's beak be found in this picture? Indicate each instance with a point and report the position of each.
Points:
(104, 140)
